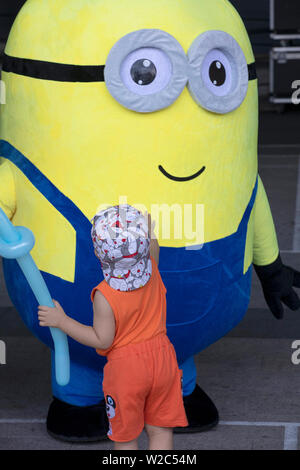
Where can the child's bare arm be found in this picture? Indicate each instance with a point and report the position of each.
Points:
(98, 336)
(154, 245)
(104, 321)
(154, 250)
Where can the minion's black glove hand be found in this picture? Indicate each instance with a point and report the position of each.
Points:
(277, 282)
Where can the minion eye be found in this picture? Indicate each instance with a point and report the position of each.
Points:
(219, 72)
(143, 72)
(146, 71)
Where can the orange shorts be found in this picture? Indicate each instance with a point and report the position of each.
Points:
(143, 384)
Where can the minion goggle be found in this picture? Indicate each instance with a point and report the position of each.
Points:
(147, 70)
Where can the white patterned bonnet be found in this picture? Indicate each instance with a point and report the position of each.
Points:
(121, 242)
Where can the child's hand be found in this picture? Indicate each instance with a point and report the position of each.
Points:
(52, 317)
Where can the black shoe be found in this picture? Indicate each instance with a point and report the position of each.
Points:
(77, 424)
(201, 412)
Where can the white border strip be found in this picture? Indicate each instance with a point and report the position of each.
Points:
(259, 423)
(291, 437)
(22, 421)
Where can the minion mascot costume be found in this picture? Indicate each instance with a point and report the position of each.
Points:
(156, 101)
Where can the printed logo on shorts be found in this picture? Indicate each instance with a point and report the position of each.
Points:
(110, 411)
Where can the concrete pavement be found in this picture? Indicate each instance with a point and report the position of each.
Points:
(252, 381)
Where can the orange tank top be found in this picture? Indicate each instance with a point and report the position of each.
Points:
(140, 314)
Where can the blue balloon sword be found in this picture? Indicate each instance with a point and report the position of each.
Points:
(17, 243)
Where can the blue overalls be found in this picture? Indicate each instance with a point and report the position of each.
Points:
(207, 292)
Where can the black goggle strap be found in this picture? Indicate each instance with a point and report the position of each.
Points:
(53, 71)
(252, 71)
(66, 73)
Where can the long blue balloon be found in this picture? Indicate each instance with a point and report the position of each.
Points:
(16, 243)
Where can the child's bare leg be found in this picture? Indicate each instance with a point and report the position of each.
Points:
(159, 438)
(132, 445)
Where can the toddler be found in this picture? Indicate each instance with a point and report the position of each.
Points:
(142, 381)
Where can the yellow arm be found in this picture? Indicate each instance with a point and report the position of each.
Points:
(265, 243)
(7, 189)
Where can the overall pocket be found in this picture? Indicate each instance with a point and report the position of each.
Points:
(191, 294)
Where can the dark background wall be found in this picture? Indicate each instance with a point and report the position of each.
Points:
(8, 11)
(255, 14)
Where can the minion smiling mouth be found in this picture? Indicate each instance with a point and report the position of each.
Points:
(183, 179)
